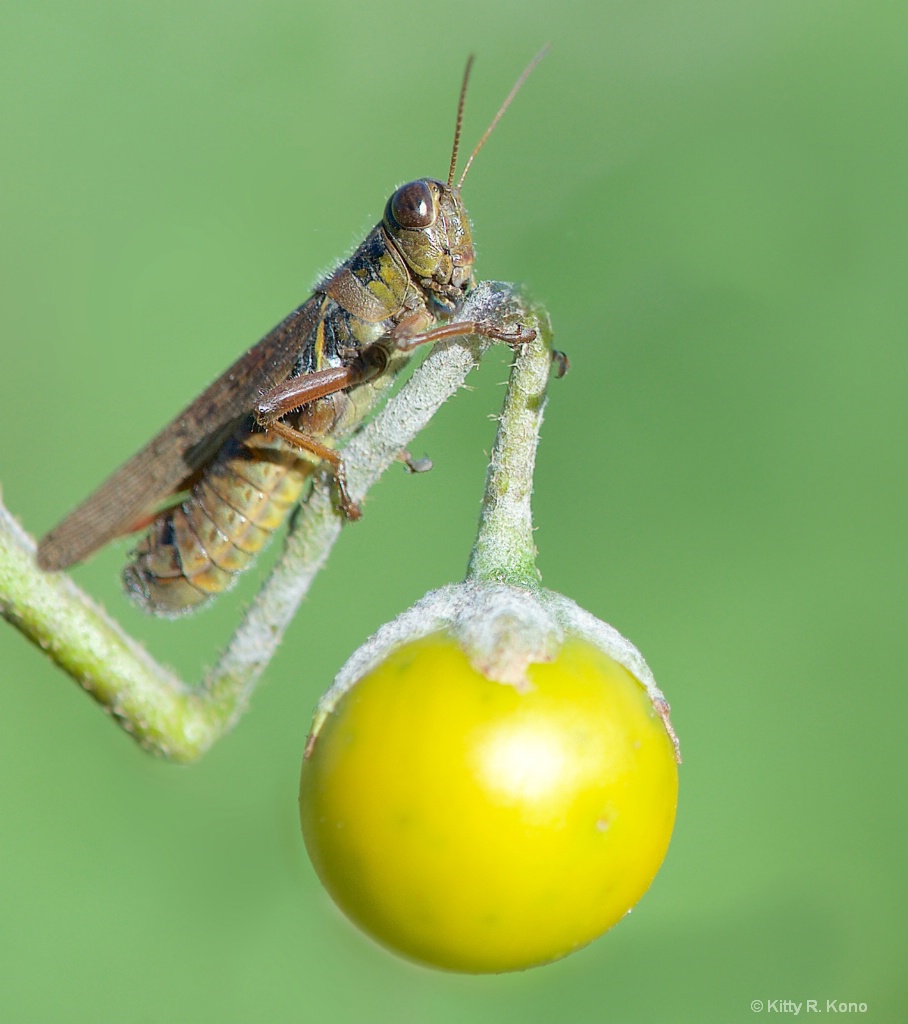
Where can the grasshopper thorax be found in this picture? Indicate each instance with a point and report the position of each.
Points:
(428, 224)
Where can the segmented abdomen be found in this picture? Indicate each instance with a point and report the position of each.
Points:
(195, 551)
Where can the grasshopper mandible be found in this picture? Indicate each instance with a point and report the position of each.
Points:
(246, 446)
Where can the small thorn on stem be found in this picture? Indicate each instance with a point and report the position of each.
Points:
(422, 465)
(562, 363)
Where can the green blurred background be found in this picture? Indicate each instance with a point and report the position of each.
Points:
(711, 199)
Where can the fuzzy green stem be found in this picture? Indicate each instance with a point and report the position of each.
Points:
(163, 713)
(504, 551)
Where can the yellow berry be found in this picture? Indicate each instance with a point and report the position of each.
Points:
(479, 826)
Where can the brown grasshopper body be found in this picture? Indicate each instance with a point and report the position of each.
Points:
(246, 447)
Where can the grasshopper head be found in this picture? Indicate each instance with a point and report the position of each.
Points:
(428, 223)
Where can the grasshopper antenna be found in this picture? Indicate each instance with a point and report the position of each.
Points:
(527, 71)
(460, 104)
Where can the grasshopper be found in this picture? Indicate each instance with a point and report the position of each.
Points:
(246, 447)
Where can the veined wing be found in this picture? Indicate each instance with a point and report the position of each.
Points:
(182, 448)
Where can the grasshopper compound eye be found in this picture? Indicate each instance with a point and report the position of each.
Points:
(412, 205)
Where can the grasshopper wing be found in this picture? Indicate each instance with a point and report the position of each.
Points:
(182, 448)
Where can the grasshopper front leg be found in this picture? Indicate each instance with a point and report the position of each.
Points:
(295, 392)
(406, 339)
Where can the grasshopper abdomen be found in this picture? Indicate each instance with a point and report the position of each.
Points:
(197, 550)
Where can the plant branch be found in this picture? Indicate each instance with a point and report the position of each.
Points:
(504, 551)
(163, 713)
